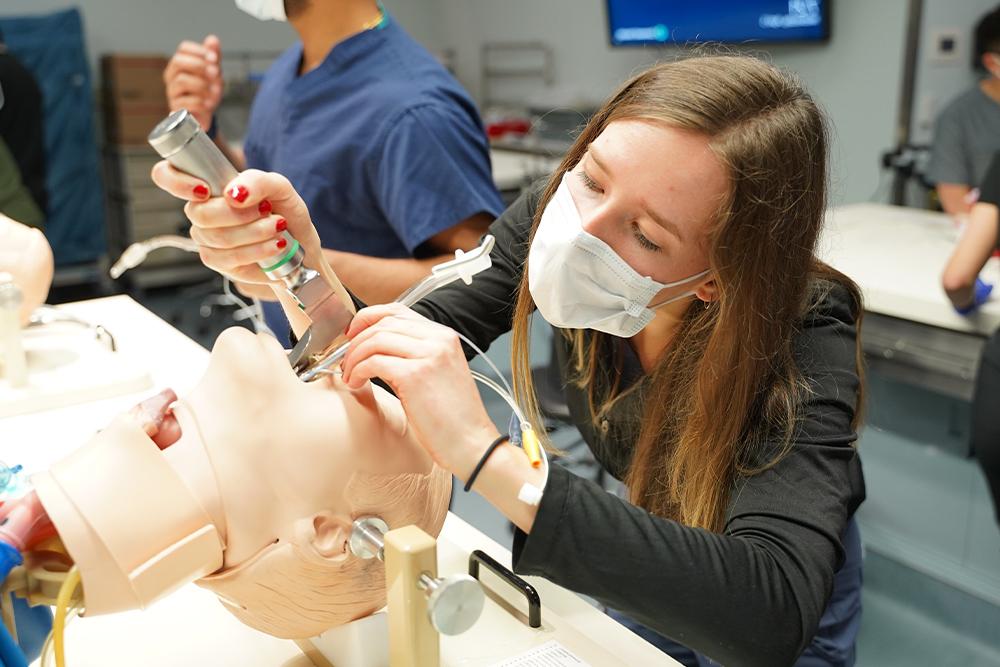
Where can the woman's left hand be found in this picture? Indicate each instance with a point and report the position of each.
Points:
(424, 364)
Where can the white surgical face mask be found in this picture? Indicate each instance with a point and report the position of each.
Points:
(578, 282)
(265, 10)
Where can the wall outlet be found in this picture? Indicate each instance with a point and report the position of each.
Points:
(945, 47)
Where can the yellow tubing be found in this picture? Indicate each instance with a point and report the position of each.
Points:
(62, 606)
(531, 447)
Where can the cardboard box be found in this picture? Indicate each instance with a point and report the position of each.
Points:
(134, 78)
(131, 124)
(133, 96)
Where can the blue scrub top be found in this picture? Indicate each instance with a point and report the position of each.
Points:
(381, 142)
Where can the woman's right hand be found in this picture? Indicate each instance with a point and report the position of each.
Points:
(245, 225)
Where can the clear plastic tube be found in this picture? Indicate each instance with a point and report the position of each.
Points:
(254, 310)
(529, 493)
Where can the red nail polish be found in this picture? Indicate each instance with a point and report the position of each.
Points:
(281, 225)
(281, 244)
(200, 191)
(264, 207)
(239, 193)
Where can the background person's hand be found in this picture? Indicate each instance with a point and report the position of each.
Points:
(424, 364)
(980, 295)
(193, 78)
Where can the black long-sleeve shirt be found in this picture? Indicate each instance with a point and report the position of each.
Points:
(752, 595)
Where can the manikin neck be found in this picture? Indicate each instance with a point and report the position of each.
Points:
(189, 459)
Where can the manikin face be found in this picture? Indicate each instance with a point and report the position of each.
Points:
(294, 465)
(26, 255)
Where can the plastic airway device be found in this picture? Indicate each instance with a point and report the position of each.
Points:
(24, 523)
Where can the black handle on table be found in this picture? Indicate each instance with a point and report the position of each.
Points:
(526, 589)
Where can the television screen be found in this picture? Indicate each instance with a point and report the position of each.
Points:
(663, 22)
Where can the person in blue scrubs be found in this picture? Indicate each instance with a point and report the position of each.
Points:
(384, 145)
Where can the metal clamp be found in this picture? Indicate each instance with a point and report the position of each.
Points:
(454, 603)
(368, 538)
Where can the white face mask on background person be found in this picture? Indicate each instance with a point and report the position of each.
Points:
(265, 10)
(578, 281)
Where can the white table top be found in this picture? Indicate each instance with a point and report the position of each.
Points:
(190, 627)
(171, 358)
(897, 256)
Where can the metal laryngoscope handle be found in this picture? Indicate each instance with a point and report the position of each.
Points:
(180, 140)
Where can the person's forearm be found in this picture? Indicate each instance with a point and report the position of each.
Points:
(973, 250)
(501, 479)
(763, 572)
(297, 319)
(377, 280)
(954, 198)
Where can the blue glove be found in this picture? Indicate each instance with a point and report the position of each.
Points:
(10, 653)
(33, 623)
(980, 295)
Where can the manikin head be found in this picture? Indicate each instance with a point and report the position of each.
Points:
(255, 499)
(26, 255)
(294, 465)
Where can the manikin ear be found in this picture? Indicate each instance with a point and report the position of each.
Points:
(324, 535)
(707, 292)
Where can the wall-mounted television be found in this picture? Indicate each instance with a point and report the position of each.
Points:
(679, 22)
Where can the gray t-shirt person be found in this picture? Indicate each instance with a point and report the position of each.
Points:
(966, 135)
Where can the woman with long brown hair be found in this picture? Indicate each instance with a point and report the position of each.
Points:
(710, 361)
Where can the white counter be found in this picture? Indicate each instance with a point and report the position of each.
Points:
(897, 256)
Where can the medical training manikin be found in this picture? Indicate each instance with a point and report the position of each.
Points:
(254, 500)
(25, 255)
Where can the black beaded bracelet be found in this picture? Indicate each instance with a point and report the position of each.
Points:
(482, 462)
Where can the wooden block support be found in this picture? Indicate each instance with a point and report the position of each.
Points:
(413, 641)
(313, 654)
